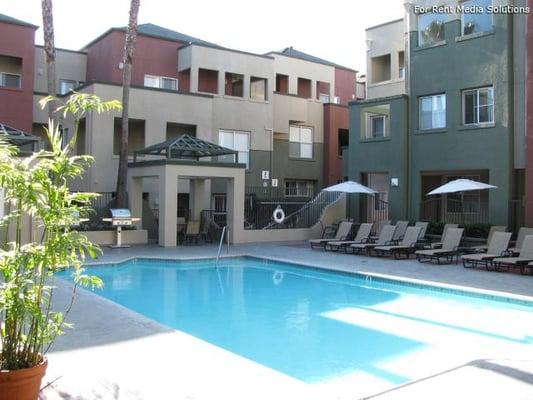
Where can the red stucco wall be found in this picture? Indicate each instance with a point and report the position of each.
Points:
(335, 117)
(152, 56)
(16, 105)
(345, 83)
(207, 80)
(529, 119)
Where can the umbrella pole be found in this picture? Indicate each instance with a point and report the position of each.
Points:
(462, 208)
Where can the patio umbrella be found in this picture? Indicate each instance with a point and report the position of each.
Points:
(349, 187)
(461, 186)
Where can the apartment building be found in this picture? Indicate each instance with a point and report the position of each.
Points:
(461, 113)
(285, 112)
(528, 203)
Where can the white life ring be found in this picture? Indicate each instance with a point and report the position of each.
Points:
(278, 215)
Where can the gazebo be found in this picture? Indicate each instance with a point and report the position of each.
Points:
(16, 136)
(193, 159)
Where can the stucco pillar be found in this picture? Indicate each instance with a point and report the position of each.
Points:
(200, 193)
(235, 208)
(168, 206)
(293, 84)
(313, 89)
(194, 80)
(221, 83)
(246, 87)
(135, 198)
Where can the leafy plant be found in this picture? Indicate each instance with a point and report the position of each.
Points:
(38, 186)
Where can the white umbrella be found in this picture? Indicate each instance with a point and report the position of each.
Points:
(461, 185)
(350, 187)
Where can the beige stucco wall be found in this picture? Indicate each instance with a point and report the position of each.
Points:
(296, 68)
(304, 111)
(69, 65)
(139, 236)
(388, 38)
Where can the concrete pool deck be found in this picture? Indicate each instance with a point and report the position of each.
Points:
(115, 353)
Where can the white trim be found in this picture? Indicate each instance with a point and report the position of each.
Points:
(476, 116)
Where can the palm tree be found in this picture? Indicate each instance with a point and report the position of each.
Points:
(129, 48)
(50, 51)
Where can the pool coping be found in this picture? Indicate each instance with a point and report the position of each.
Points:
(494, 295)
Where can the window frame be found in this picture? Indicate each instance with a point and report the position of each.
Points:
(74, 85)
(299, 184)
(491, 16)
(159, 80)
(431, 96)
(477, 90)
(235, 132)
(300, 157)
(369, 117)
(419, 31)
(2, 80)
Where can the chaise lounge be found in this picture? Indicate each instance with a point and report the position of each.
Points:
(342, 233)
(497, 247)
(449, 250)
(385, 237)
(406, 247)
(362, 236)
(523, 260)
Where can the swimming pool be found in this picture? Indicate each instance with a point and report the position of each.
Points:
(318, 326)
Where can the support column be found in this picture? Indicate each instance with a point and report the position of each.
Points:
(193, 88)
(313, 89)
(200, 197)
(221, 83)
(246, 87)
(135, 197)
(235, 208)
(293, 84)
(168, 206)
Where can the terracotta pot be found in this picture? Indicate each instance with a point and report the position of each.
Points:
(22, 384)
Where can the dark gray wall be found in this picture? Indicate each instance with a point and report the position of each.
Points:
(450, 68)
(384, 155)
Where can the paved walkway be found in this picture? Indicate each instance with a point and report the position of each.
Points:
(115, 353)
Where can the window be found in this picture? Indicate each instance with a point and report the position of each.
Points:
(336, 100)
(476, 22)
(207, 80)
(376, 126)
(432, 111)
(299, 188)
(66, 85)
(161, 82)
(234, 85)
(478, 106)
(258, 88)
(10, 80)
(136, 135)
(401, 65)
(300, 141)
(324, 98)
(430, 28)
(344, 140)
(236, 140)
(282, 83)
(304, 88)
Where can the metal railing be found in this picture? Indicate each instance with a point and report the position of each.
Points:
(454, 211)
(307, 215)
(374, 210)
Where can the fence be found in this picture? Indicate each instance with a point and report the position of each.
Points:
(454, 211)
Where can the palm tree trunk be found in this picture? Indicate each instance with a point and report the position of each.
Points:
(50, 51)
(129, 48)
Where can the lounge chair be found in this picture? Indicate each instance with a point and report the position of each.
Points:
(385, 237)
(449, 249)
(401, 227)
(192, 231)
(342, 234)
(407, 246)
(497, 247)
(492, 231)
(362, 236)
(523, 260)
(378, 226)
(437, 245)
(522, 233)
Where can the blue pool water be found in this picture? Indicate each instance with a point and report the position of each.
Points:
(309, 324)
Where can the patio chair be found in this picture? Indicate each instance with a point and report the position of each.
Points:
(522, 233)
(407, 246)
(401, 227)
(342, 234)
(362, 236)
(437, 245)
(497, 248)
(492, 231)
(449, 250)
(192, 231)
(385, 237)
(523, 260)
(378, 226)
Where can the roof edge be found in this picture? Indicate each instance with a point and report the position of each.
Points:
(326, 63)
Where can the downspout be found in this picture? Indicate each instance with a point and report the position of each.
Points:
(407, 66)
(271, 130)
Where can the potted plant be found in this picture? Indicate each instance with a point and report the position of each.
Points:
(37, 187)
